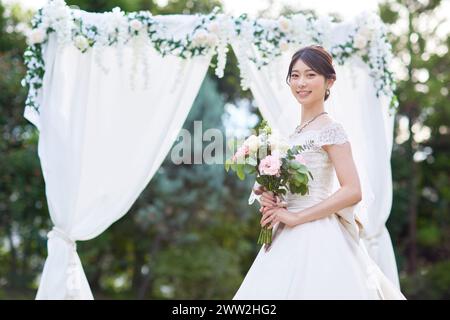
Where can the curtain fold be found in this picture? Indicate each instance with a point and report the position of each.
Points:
(101, 141)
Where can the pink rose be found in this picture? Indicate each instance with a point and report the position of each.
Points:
(301, 159)
(241, 153)
(270, 165)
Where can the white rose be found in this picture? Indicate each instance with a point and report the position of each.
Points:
(136, 25)
(360, 41)
(214, 27)
(212, 39)
(200, 37)
(365, 31)
(284, 45)
(279, 144)
(81, 42)
(253, 143)
(284, 24)
(36, 36)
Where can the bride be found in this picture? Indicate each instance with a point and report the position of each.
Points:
(316, 251)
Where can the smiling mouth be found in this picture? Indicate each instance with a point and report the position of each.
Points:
(303, 93)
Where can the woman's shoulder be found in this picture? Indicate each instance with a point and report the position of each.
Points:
(332, 132)
(326, 122)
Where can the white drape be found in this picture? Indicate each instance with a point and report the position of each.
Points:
(101, 141)
(104, 135)
(366, 119)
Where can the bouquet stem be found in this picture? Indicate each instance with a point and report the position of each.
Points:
(265, 236)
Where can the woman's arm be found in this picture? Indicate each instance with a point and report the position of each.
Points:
(348, 194)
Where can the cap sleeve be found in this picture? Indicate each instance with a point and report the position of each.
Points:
(332, 134)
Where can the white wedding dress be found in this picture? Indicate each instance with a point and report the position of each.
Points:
(322, 259)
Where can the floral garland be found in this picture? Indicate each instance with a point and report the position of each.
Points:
(273, 37)
(211, 35)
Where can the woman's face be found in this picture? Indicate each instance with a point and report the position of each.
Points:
(307, 86)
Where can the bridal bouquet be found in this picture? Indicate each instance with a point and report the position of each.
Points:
(277, 167)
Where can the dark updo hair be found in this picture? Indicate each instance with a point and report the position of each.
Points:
(318, 59)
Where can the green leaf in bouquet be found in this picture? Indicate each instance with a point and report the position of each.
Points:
(264, 126)
(294, 188)
(300, 179)
(260, 180)
(303, 169)
(295, 164)
(240, 171)
(249, 169)
(289, 154)
(266, 182)
(303, 189)
(285, 162)
(296, 149)
(228, 164)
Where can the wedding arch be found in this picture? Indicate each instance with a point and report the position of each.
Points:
(109, 93)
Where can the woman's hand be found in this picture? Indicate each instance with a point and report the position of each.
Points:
(259, 190)
(268, 199)
(274, 215)
(274, 202)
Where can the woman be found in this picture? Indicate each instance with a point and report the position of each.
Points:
(316, 251)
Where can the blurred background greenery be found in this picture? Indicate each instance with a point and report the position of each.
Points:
(180, 240)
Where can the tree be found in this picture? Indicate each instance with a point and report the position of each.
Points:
(23, 211)
(420, 158)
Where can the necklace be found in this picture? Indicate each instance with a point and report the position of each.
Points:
(300, 128)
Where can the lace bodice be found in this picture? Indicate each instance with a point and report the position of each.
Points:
(318, 162)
